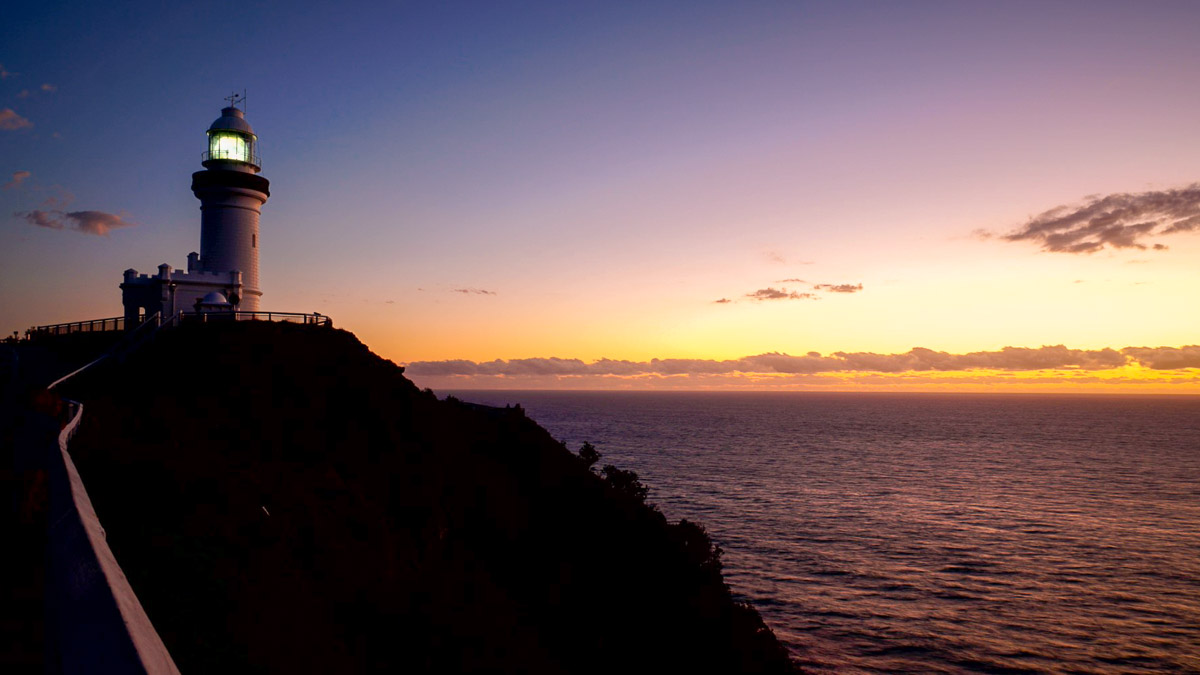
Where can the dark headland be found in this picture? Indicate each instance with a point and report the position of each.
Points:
(283, 500)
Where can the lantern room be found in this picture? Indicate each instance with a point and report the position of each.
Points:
(232, 143)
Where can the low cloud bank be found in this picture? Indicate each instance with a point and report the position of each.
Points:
(1165, 358)
(1120, 220)
(1056, 357)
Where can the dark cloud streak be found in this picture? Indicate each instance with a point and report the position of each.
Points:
(782, 293)
(779, 294)
(1120, 220)
(838, 288)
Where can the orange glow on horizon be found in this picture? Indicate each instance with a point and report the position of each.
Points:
(1132, 379)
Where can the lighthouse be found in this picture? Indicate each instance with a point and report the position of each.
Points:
(231, 194)
(223, 276)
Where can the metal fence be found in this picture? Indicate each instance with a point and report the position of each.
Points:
(314, 319)
(117, 324)
(93, 326)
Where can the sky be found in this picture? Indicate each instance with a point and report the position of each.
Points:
(649, 195)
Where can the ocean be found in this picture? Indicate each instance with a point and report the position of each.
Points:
(928, 533)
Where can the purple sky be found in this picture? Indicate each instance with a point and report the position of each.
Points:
(505, 181)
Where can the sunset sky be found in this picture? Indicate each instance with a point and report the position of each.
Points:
(902, 196)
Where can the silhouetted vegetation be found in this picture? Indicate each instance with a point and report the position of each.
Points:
(589, 455)
(283, 501)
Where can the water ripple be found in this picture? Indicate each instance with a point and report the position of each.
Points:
(928, 533)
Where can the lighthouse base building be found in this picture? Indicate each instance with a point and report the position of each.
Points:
(171, 291)
(223, 276)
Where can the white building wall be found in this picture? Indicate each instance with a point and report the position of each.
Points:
(172, 291)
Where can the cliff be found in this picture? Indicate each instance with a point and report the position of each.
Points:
(283, 500)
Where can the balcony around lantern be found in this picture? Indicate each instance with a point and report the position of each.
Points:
(251, 158)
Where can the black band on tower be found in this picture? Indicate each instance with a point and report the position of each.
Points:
(238, 179)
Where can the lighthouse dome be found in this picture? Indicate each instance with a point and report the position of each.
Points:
(214, 298)
(231, 119)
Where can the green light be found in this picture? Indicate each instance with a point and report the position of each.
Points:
(224, 145)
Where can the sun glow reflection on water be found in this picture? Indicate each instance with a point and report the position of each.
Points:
(929, 533)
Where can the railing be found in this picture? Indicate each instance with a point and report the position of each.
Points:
(93, 326)
(118, 323)
(137, 337)
(232, 156)
(314, 319)
(95, 619)
(94, 615)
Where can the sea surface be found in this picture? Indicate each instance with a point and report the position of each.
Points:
(929, 533)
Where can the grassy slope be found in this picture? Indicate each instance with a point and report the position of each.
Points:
(283, 500)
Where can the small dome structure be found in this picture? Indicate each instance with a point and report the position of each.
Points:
(214, 302)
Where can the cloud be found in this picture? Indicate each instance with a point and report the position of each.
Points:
(838, 288)
(50, 219)
(1013, 359)
(774, 256)
(11, 121)
(18, 177)
(791, 281)
(472, 291)
(1120, 220)
(779, 294)
(98, 223)
(1165, 358)
(44, 89)
(782, 293)
(59, 200)
(4, 74)
(54, 197)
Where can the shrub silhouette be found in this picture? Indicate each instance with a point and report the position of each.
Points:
(625, 483)
(589, 455)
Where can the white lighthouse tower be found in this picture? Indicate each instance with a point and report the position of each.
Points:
(231, 195)
(223, 277)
